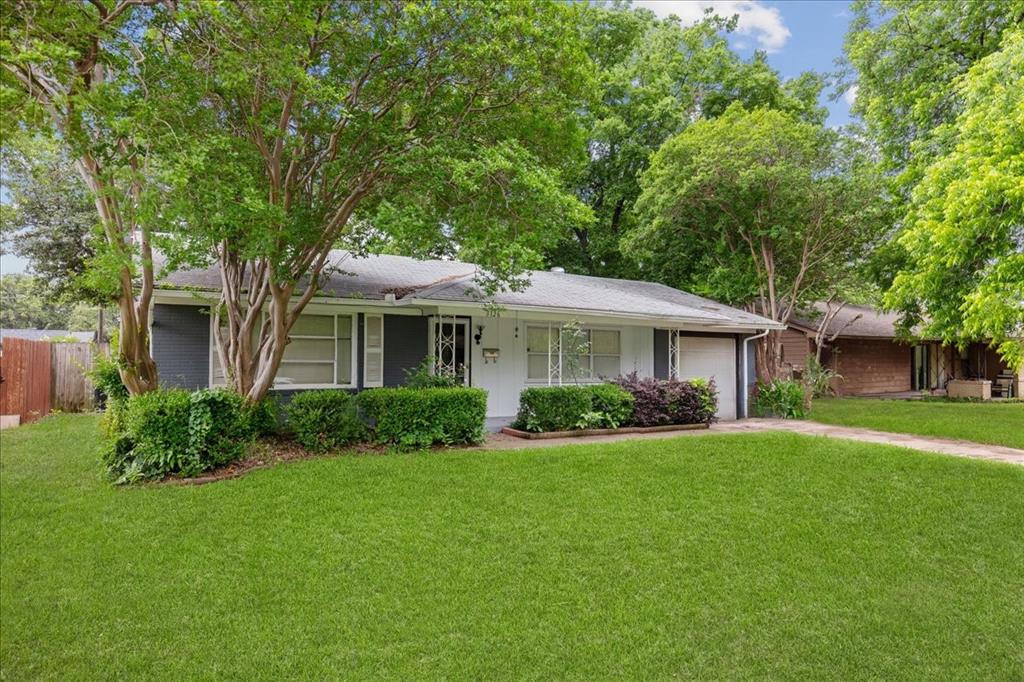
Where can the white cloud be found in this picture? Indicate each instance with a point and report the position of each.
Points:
(851, 95)
(756, 20)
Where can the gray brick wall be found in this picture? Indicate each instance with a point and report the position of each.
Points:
(405, 346)
(181, 345)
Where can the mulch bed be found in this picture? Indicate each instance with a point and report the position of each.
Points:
(578, 433)
(265, 453)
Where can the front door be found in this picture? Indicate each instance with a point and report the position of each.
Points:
(920, 368)
(450, 346)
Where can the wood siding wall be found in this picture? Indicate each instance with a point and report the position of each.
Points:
(795, 348)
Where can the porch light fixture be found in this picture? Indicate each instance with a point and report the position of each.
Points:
(479, 334)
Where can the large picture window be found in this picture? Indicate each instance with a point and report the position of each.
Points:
(319, 353)
(550, 357)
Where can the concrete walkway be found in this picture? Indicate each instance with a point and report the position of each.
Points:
(945, 446)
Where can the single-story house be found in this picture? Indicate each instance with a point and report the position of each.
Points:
(871, 360)
(379, 316)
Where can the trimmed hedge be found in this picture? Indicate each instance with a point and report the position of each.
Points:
(325, 420)
(172, 431)
(563, 408)
(421, 417)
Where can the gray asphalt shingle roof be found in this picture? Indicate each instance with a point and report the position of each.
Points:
(373, 277)
(860, 321)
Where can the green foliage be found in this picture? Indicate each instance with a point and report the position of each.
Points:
(758, 205)
(53, 219)
(563, 408)
(153, 439)
(780, 398)
(421, 417)
(613, 403)
(964, 231)
(261, 418)
(324, 420)
(173, 432)
(819, 379)
(654, 78)
(552, 408)
(904, 58)
(759, 208)
(25, 304)
(106, 377)
(218, 428)
(427, 374)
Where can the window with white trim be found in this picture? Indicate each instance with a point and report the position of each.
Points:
(373, 351)
(320, 353)
(548, 361)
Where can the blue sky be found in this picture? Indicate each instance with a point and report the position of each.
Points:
(798, 35)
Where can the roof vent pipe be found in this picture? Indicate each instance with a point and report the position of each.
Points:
(557, 269)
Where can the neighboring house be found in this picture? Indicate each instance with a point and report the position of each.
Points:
(46, 335)
(865, 351)
(382, 315)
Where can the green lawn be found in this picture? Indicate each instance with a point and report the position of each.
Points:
(734, 556)
(994, 423)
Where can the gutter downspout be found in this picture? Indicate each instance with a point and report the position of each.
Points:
(746, 397)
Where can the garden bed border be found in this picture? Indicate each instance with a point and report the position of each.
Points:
(578, 433)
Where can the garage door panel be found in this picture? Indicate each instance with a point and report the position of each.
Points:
(703, 357)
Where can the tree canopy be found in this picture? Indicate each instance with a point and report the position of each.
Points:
(964, 278)
(655, 77)
(425, 128)
(759, 208)
(50, 221)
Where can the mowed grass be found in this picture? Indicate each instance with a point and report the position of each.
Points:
(995, 423)
(721, 557)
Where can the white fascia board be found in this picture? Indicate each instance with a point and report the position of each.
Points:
(690, 323)
(322, 304)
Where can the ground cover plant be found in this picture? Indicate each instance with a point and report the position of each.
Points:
(718, 557)
(996, 423)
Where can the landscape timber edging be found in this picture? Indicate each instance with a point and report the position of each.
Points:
(530, 435)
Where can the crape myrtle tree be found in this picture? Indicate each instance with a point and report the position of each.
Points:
(654, 78)
(964, 233)
(758, 208)
(309, 125)
(76, 72)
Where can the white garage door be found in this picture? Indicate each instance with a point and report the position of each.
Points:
(711, 358)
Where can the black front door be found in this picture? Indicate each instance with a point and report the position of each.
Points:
(920, 368)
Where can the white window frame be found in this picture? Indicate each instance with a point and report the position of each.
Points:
(558, 362)
(354, 317)
(366, 350)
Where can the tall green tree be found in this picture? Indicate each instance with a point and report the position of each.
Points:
(655, 77)
(51, 219)
(25, 305)
(964, 278)
(77, 73)
(761, 209)
(424, 124)
(903, 56)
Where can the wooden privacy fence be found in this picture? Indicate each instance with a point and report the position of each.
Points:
(38, 376)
